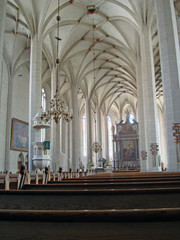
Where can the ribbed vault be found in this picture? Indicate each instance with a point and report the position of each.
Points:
(104, 44)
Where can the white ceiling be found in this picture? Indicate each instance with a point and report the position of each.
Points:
(107, 41)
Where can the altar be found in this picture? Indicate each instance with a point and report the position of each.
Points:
(126, 146)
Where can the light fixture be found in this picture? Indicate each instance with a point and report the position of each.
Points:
(58, 110)
(96, 147)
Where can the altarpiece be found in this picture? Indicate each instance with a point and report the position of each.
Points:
(125, 146)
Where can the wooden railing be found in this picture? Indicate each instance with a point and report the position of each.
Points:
(16, 181)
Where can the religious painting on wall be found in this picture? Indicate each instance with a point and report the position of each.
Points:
(129, 150)
(19, 135)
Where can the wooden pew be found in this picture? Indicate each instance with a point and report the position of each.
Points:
(90, 225)
(104, 185)
(146, 206)
(91, 199)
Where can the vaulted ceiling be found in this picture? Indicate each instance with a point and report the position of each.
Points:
(98, 51)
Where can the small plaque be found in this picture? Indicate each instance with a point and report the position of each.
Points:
(46, 145)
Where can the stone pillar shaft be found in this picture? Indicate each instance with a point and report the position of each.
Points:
(3, 5)
(34, 90)
(150, 105)
(141, 120)
(75, 130)
(170, 68)
(70, 145)
(61, 135)
(66, 130)
(106, 139)
(55, 128)
(3, 120)
(88, 130)
(98, 131)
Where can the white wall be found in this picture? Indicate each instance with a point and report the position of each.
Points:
(20, 107)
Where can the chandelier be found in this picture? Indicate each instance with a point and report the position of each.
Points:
(96, 147)
(58, 110)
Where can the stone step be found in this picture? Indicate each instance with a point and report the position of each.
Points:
(102, 185)
(144, 198)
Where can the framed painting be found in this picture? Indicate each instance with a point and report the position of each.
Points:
(19, 135)
(129, 149)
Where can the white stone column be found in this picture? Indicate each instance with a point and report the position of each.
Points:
(48, 98)
(34, 91)
(70, 145)
(55, 145)
(75, 130)
(106, 138)
(9, 122)
(88, 131)
(3, 120)
(61, 135)
(55, 128)
(98, 130)
(141, 117)
(150, 105)
(4, 124)
(66, 164)
(3, 5)
(80, 139)
(170, 68)
(163, 138)
(63, 158)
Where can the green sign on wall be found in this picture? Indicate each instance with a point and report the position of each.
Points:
(46, 145)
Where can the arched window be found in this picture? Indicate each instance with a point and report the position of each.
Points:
(128, 113)
(43, 99)
(109, 123)
(131, 118)
(84, 135)
(43, 104)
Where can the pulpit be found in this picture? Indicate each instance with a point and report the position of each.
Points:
(41, 156)
(41, 150)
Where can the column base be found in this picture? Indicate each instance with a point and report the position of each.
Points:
(173, 167)
(155, 169)
(146, 168)
(143, 166)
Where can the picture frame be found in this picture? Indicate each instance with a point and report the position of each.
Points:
(19, 135)
(129, 149)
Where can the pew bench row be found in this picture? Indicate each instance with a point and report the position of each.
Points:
(12, 181)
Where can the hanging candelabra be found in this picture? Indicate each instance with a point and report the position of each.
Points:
(96, 147)
(58, 110)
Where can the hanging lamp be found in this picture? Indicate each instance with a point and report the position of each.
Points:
(58, 110)
(96, 147)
